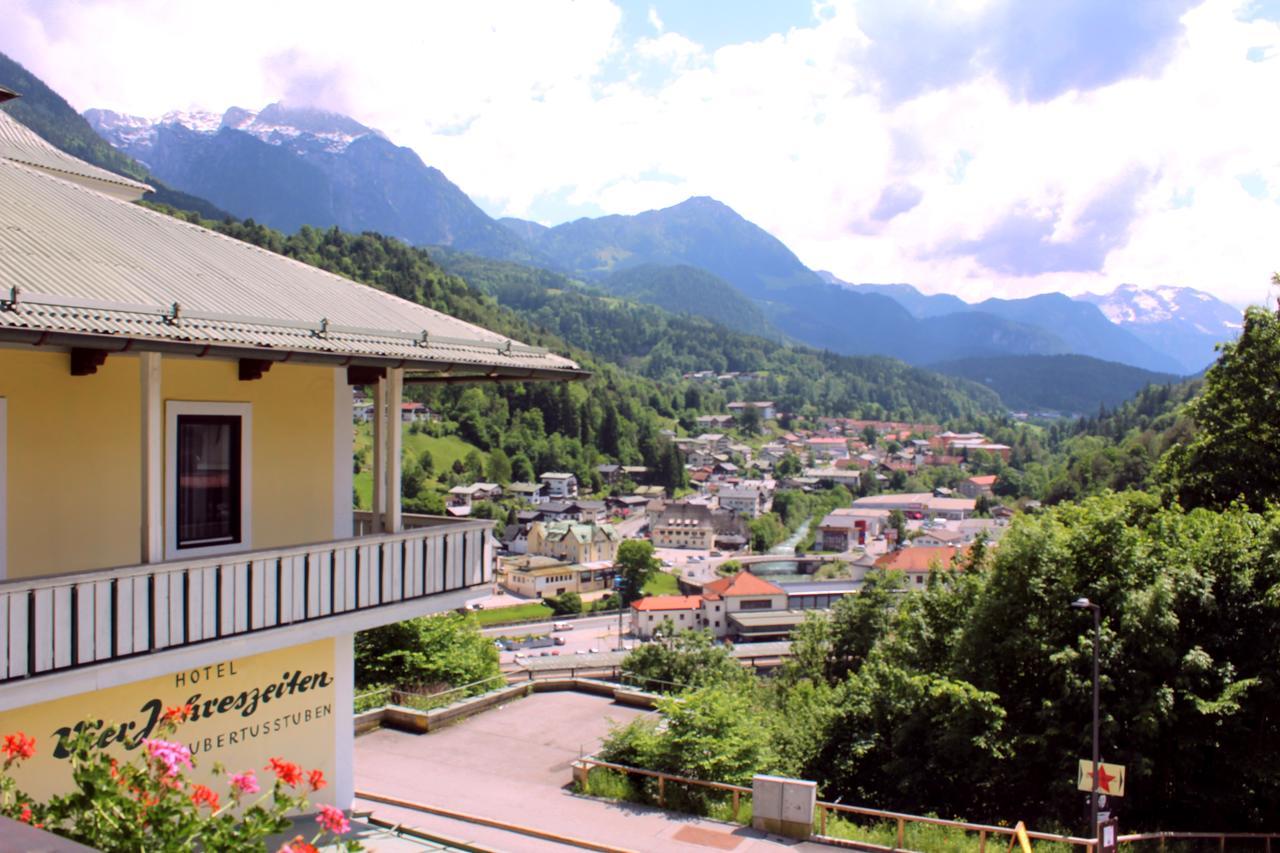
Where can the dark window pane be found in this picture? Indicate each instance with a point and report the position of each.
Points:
(208, 480)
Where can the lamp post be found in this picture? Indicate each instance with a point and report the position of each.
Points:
(1086, 604)
(619, 583)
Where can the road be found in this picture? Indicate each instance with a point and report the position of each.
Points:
(595, 632)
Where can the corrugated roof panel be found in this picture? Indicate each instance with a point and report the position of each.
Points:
(19, 143)
(88, 264)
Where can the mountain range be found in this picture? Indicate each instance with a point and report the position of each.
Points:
(289, 167)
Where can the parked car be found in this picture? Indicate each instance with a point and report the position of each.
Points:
(559, 641)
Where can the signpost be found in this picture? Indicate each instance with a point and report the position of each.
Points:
(1110, 778)
(1107, 833)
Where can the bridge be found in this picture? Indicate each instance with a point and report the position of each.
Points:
(805, 562)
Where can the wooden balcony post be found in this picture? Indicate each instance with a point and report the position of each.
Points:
(395, 394)
(379, 453)
(152, 529)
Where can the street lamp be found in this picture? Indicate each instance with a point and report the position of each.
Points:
(1086, 604)
(619, 584)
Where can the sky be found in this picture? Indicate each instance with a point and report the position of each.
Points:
(976, 147)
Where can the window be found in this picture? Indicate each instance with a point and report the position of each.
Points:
(756, 604)
(207, 473)
(4, 488)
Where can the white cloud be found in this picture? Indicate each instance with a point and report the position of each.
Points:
(655, 20)
(526, 106)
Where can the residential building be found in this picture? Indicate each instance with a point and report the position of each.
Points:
(847, 477)
(714, 421)
(766, 409)
(610, 474)
(683, 525)
(827, 448)
(920, 505)
(465, 496)
(560, 486)
(841, 532)
(745, 501)
(940, 536)
(683, 612)
(975, 487)
(741, 592)
(916, 562)
(635, 473)
(534, 493)
(175, 475)
(715, 442)
(548, 577)
(574, 542)
(741, 606)
(415, 412)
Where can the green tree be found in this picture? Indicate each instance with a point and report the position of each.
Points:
(1237, 417)
(499, 467)
(429, 651)
(427, 463)
(569, 604)
(750, 423)
(765, 531)
(898, 523)
(682, 660)
(635, 564)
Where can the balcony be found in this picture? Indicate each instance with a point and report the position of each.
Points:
(62, 622)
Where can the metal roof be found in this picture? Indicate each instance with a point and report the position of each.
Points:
(22, 145)
(84, 269)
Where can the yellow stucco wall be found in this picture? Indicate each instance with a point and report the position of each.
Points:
(74, 463)
(247, 710)
(292, 441)
(74, 455)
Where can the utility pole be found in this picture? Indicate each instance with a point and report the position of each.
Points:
(1086, 604)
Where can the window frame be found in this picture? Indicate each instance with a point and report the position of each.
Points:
(178, 408)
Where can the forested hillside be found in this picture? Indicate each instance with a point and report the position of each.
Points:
(635, 352)
(660, 345)
(1071, 384)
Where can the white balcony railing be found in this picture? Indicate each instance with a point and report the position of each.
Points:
(65, 621)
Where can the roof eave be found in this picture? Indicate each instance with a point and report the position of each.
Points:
(417, 371)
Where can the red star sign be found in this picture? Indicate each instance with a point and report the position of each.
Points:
(1104, 779)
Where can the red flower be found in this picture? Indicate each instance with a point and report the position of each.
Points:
(316, 780)
(25, 817)
(286, 771)
(178, 714)
(201, 795)
(298, 845)
(18, 746)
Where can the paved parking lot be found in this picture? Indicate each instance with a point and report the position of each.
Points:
(513, 764)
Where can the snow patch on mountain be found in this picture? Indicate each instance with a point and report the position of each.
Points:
(275, 125)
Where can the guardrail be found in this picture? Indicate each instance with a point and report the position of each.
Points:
(64, 621)
(1000, 836)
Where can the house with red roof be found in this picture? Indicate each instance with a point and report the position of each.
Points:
(918, 561)
(975, 487)
(739, 605)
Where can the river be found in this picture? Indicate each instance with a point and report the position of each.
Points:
(784, 571)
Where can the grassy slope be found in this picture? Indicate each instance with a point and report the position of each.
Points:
(444, 452)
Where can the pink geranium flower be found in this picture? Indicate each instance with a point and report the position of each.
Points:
(245, 783)
(333, 820)
(170, 754)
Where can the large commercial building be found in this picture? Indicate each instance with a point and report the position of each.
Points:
(175, 475)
